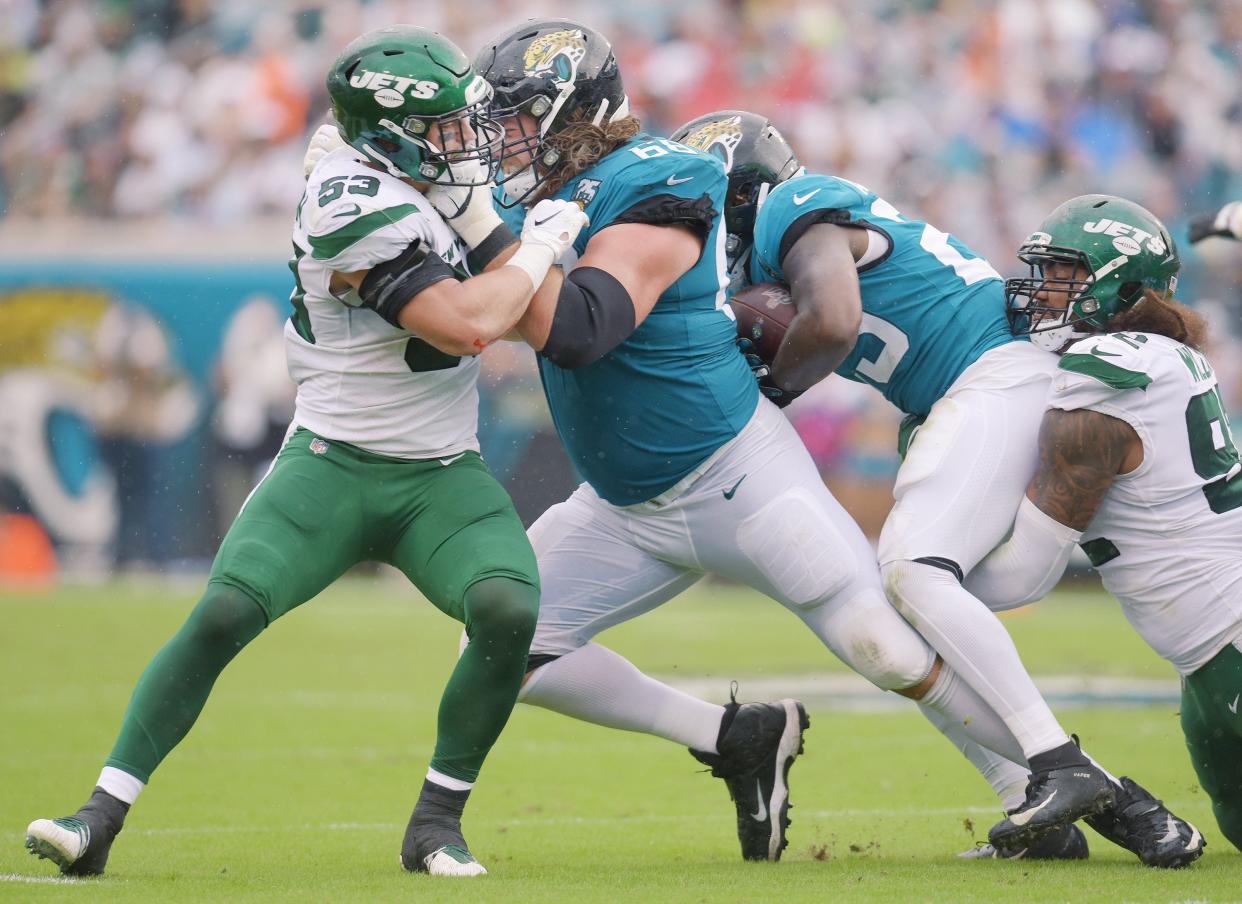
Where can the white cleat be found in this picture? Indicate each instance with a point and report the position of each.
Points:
(63, 841)
(452, 860)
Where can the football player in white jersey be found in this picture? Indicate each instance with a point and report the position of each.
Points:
(1137, 466)
(381, 461)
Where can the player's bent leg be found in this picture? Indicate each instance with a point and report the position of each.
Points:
(167, 700)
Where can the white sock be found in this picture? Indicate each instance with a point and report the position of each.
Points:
(595, 684)
(121, 785)
(972, 640)
(447, 781)
(952, 703)
(1007, 778)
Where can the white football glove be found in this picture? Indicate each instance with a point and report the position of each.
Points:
(327, 138)
(1226, 223)
(547, 233)
(468, 209)
(554, 225)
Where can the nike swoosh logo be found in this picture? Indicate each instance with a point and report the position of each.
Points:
(1171, 833)
(1103, 354)
(673, 180)
(728, 494)
(544, 220)
(1021, 819)
(799, 200)
(352, 211)
(448, 461)
(762, 813)
(1233, 707)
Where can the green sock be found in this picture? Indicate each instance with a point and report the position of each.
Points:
(174, 687)
(500, 621)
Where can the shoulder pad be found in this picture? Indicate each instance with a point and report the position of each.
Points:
(1117, 360)
(356, 216)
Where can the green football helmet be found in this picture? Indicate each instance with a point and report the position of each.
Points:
(409, 99)
(1120, 250)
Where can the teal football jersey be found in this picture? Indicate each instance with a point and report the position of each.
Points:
(931, 306)
(646, 414)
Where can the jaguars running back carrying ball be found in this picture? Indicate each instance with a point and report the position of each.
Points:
(688, 469)
(381, 461)
(896, 303)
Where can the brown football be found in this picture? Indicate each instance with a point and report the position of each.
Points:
(764, 311)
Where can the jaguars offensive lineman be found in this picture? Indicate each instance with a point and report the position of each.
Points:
(1137, 465)
(900, 305)
(381, 461)
(687, 469)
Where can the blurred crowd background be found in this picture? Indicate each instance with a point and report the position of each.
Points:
(193, 114)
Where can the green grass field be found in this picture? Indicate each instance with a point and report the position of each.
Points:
(297, 781)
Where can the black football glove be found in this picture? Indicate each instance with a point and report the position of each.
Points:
(1226, 223)
(763, 376)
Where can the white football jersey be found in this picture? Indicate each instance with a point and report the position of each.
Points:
(1167, 538)
(360, 379)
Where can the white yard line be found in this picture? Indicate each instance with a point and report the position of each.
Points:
(44, 880)
(854, 694)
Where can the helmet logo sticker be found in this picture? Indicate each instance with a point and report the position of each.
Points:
(558, 54)
(390, 90)
(719, 138)
(1136, 236)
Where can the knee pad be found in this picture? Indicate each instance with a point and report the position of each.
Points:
(502, 606)
(226, 616)
(871, 638)
(798, 549)
(904, 579)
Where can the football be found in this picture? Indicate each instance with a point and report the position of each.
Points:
(764, 312)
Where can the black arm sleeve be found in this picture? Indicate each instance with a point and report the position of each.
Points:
(594, 314)
(497, 241)
(696, 214)
(391, 285)
(798, 227)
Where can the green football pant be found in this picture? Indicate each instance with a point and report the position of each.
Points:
(323, 508)
(1213, 729)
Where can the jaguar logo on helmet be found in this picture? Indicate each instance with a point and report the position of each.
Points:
(557, 53)
(719, 138)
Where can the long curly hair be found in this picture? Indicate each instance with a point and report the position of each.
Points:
(1154, 313)
(582, 145)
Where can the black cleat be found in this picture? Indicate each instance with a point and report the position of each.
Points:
(1054, 799)
(433, 841)
(79, 844)
(758, 744)
(1065, 843)
(1143, 825)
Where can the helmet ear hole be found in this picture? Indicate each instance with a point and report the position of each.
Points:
(1129, 292)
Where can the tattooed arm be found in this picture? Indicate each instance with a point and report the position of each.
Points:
(1080, 452)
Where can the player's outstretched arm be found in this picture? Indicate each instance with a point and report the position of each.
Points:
(622, 273)
(419, 292)
(1080, 454)
(823, 281)
(1226, 223)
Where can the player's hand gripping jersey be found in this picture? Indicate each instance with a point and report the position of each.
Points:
(649, 412)
(1167, 538)
(931, 306)
(360, 379)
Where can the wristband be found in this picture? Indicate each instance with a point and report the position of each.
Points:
(533, 260)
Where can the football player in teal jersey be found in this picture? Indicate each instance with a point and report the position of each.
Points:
(896, 303)
(688, 470)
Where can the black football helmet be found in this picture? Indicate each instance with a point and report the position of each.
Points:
(558, 72)
(756, 157)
